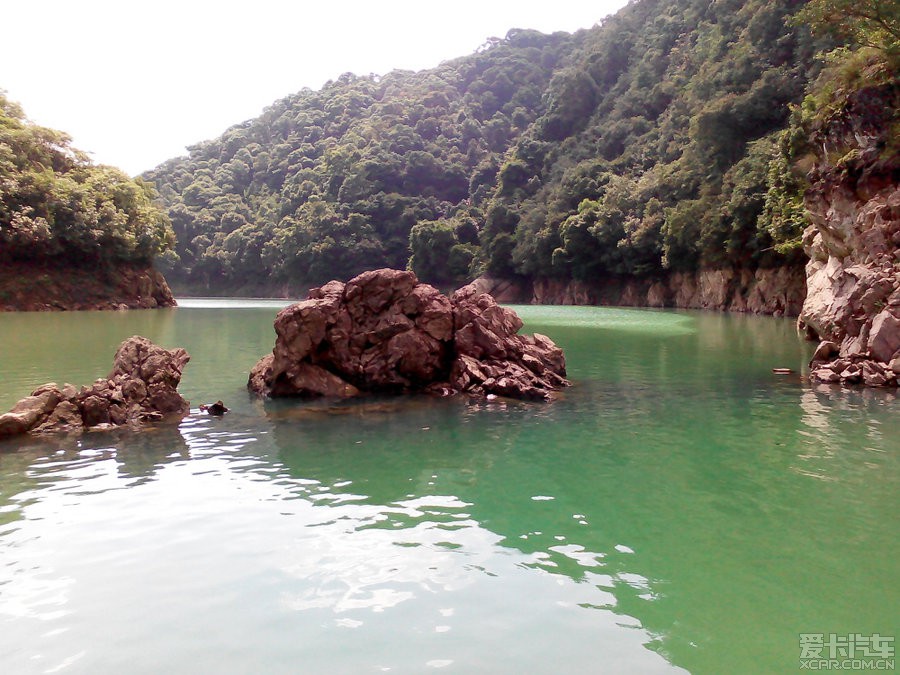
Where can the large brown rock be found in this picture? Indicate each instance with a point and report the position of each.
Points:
(884, 336)
(384, 331)
(141, 387)
(508, 364)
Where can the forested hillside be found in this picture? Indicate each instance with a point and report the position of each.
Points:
(329, 183)
(657, 147)
(56, 204)
(72, 233)
(656, 142)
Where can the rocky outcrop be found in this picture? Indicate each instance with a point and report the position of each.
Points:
(384, 331)
(51, 286)
(853, 243)
(141, 388)
(778, 291)
(505, 290)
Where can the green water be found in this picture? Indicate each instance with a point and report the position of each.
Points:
(680, 508)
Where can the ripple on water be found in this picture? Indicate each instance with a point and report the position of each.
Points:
(671, 502)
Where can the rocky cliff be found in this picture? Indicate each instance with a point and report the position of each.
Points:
(853, 275)
(778, 291)
(44, 286)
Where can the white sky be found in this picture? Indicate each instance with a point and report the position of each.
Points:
(133, 83)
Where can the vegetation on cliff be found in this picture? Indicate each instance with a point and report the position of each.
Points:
(847, 135)
(58, 208)
(655, 142)
(667, 162)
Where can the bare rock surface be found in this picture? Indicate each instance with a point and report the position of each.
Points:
(779, 291)
(383, 331)
(141, 388)
(35, 286)
(853, 243)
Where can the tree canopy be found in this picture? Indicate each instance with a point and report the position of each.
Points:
(55, 203)
(865, 23)
(325, 183)
(660, 140)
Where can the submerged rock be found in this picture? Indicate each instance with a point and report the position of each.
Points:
(216, 409)
(383, 331)
(140, 388)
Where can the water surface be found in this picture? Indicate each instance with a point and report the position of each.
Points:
(680, 508)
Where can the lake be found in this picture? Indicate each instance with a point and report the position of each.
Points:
(680, 508)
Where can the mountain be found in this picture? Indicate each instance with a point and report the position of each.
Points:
(328, 183)
(649, 155)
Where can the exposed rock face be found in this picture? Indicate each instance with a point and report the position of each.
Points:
(52, 287)
(491, 358)
(504, 290)
(778, 291)
(853, 275)
(384, 331)
(141, 388)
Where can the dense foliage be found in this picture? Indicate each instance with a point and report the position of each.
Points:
(653, 142)
(855, 97)
(857, 23)
(56, 204)
(670, 166)
(328, 183)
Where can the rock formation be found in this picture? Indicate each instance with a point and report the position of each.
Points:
(853, 275)
(384, 331)
(36, 286)
(141, 388)
(778, 291)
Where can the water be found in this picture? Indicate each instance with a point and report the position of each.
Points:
(680, 508)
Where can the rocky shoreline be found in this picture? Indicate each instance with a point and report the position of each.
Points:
(853, 275)
(47, 286)
(778, 291)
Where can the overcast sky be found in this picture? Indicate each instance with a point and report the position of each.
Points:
(135, 82)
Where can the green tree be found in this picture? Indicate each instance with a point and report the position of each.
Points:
(55, 203)
(870, 23)
(430, 242)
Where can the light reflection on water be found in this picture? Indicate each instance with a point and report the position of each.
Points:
(677, 508)
(233, 303)
(217, 529)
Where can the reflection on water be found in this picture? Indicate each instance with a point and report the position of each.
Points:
(233, 303)
(678, 508)
(620, 319)
(231, 522)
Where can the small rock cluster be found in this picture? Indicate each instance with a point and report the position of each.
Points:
(141, 388)
(828, 365)
(383, 331)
